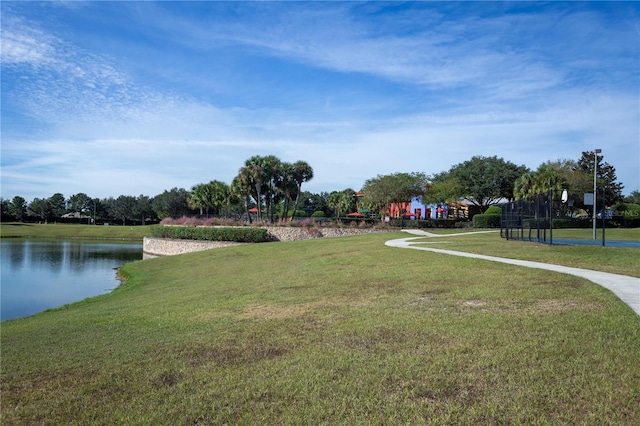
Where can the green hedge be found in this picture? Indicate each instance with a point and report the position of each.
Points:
(299, 213)
(486, 221)
(238, 235)
(570, 223)
(494, 210)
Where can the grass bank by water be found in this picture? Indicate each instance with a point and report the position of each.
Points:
(73, 231)
(330, 331)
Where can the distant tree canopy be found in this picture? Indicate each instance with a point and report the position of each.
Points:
(633, 198)
(274, 188)
(342, 202)
(574, 176)
(483, 181)
(383, 190)
(606, 176)
(268, 181)
(171, 203)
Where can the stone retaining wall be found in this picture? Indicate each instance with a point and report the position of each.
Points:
(154, 247)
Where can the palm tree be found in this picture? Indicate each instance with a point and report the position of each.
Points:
(524, 186)
(285, 185)
(273, 176)
(302, 172)
(199, 197)
(255, 169)
(219, 195)
(241, 187)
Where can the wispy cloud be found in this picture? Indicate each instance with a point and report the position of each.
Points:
(356, 89)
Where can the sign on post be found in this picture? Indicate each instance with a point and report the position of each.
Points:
(588, 199)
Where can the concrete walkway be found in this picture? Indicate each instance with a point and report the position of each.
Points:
(626, 288)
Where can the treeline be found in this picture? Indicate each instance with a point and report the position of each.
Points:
(268, 189)
(486, 181)
(265, 188)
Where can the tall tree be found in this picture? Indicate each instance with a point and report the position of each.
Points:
(301, 173)
(143, 208)
(201, 198)
(17, 208)
(342, 202)
(544, 179)
(4, 210)
(81, 203)
(171, 203)
(41, 208)
(606, 176)
(256, 171)
(384, 190)
(122, 208)
(274, 177)
(58, 205)
(264, 175)
(633, 198)
(485, 180)
(442, 190)
(315, 202)
(220, 194)
(285, 186)
(241, 188)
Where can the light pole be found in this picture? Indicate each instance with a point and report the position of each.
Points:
(595, 174)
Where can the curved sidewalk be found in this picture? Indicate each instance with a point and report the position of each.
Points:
(625, 287)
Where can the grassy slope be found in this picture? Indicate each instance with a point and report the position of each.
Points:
(328, 331)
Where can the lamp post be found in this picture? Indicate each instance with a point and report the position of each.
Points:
(595, 173)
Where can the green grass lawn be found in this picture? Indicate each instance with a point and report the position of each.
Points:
(624, 261)
(332, 331)
(68, 231)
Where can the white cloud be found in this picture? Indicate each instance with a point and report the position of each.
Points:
(473, 91)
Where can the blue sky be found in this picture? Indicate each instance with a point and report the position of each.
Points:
(130, 98)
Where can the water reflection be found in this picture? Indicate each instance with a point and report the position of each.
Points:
(38, 275)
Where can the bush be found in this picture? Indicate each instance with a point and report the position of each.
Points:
(318, 213)
(299, 213)
(493, 210)
(486, 221)
(239, 234)
(568, 223)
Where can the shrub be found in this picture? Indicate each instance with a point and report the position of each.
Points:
(236, 234)
(318, 213)
(494, 210)
(568, 223)
(486, 221)
(299, 213)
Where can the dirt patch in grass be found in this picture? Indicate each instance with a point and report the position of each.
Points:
(278, 312)
(321, 310)
(550, 306)
(168, 379)
(234, 352)
(385, 339)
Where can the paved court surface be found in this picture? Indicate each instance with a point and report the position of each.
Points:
(607, 243)
(626, 288)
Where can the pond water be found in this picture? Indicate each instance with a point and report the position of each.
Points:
(39, 275)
